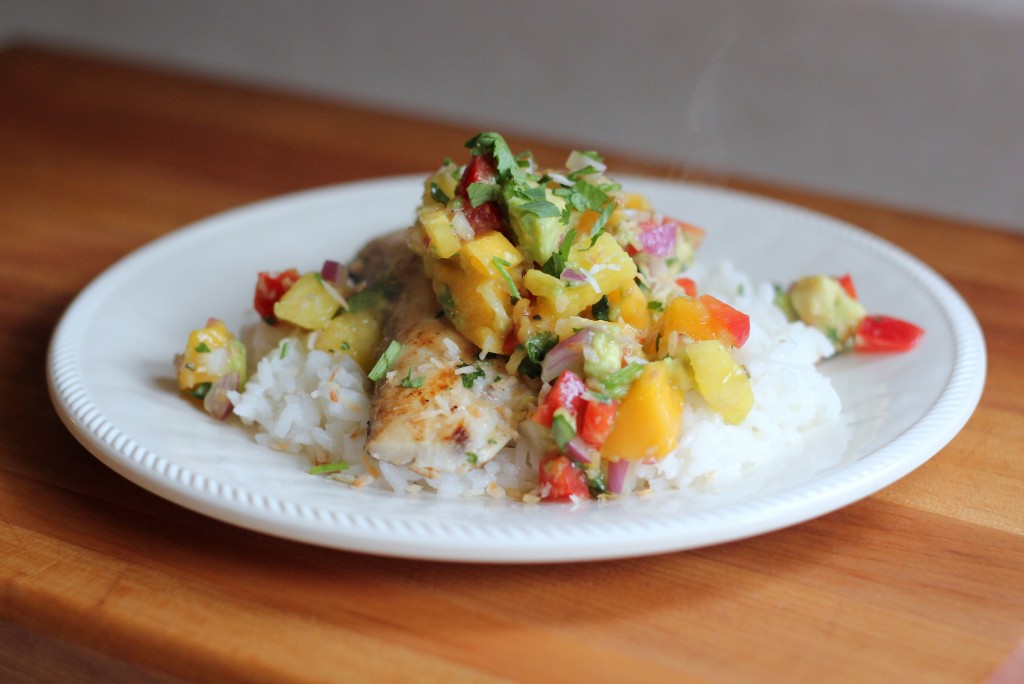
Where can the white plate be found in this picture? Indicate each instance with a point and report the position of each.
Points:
(111, 380)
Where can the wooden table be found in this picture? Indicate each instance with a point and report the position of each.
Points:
(102, 581)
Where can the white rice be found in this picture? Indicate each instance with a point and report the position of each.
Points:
(312, 403)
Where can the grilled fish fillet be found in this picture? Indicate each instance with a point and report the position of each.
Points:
(440, 409)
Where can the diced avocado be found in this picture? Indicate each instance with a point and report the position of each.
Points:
(539, 228)
(822, 303)
(603, 357)
(307, 303)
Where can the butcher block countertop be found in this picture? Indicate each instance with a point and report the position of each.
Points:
(102, 581)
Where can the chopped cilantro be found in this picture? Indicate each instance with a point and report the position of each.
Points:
(655, 305)
(409, 381)
(495, 145)
(502, 267)
(203, 348)
(479, 193)
(345, 346)
(601, 310)
(469, 378)
(284, 350)
(446, 300)
(596, 483)
(471, 458)
(201, 390)
(438, 195)
(602, 219)
(536, 348)
(325, 468)
(385, 361)
(618, 382)
(556, 262)
(542, 208)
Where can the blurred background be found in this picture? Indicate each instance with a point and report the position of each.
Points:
(911, 103)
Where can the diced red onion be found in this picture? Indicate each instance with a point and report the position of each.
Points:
(462, 226)
(216, 402)
(566, 355)
(210, 322)
(333, 272)
(578, 450)
(574, 274)
(658, 239)
(617, 475)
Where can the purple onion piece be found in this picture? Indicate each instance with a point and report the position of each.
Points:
(658, 239)
(578, 450)
(216, 402)
(566, 355)
(617, 475)
(333, 272)
(573, 274)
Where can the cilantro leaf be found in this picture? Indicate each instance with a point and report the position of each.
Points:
(438, 195)
(386, 360)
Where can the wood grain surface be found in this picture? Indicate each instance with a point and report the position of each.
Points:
(103, 581)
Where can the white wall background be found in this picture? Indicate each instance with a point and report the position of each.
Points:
(914, 103)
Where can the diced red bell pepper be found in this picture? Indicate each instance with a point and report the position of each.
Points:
(876, 334)
(270, 287)
(735, 322)
(688, 285)
(560, 480)
(846, 282)
(597, 421)
(566, 393)
(487, 216)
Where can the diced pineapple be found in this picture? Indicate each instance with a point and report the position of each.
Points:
(605, 266)
(445, 179)
(308, 303)
(723, 383)
(355, 333)
(649, 420)
(443, 241)
(606, 262)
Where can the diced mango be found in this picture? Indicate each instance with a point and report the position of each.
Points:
(442, 240)
(649, 420)
(724, 384)
(630, 304)
(687, 317)
(355, 333)
(480, 253)
(307, 303)
(479, 306)
(632, 200)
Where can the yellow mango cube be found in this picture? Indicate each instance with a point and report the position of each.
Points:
(649, 420)
(480, 253)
